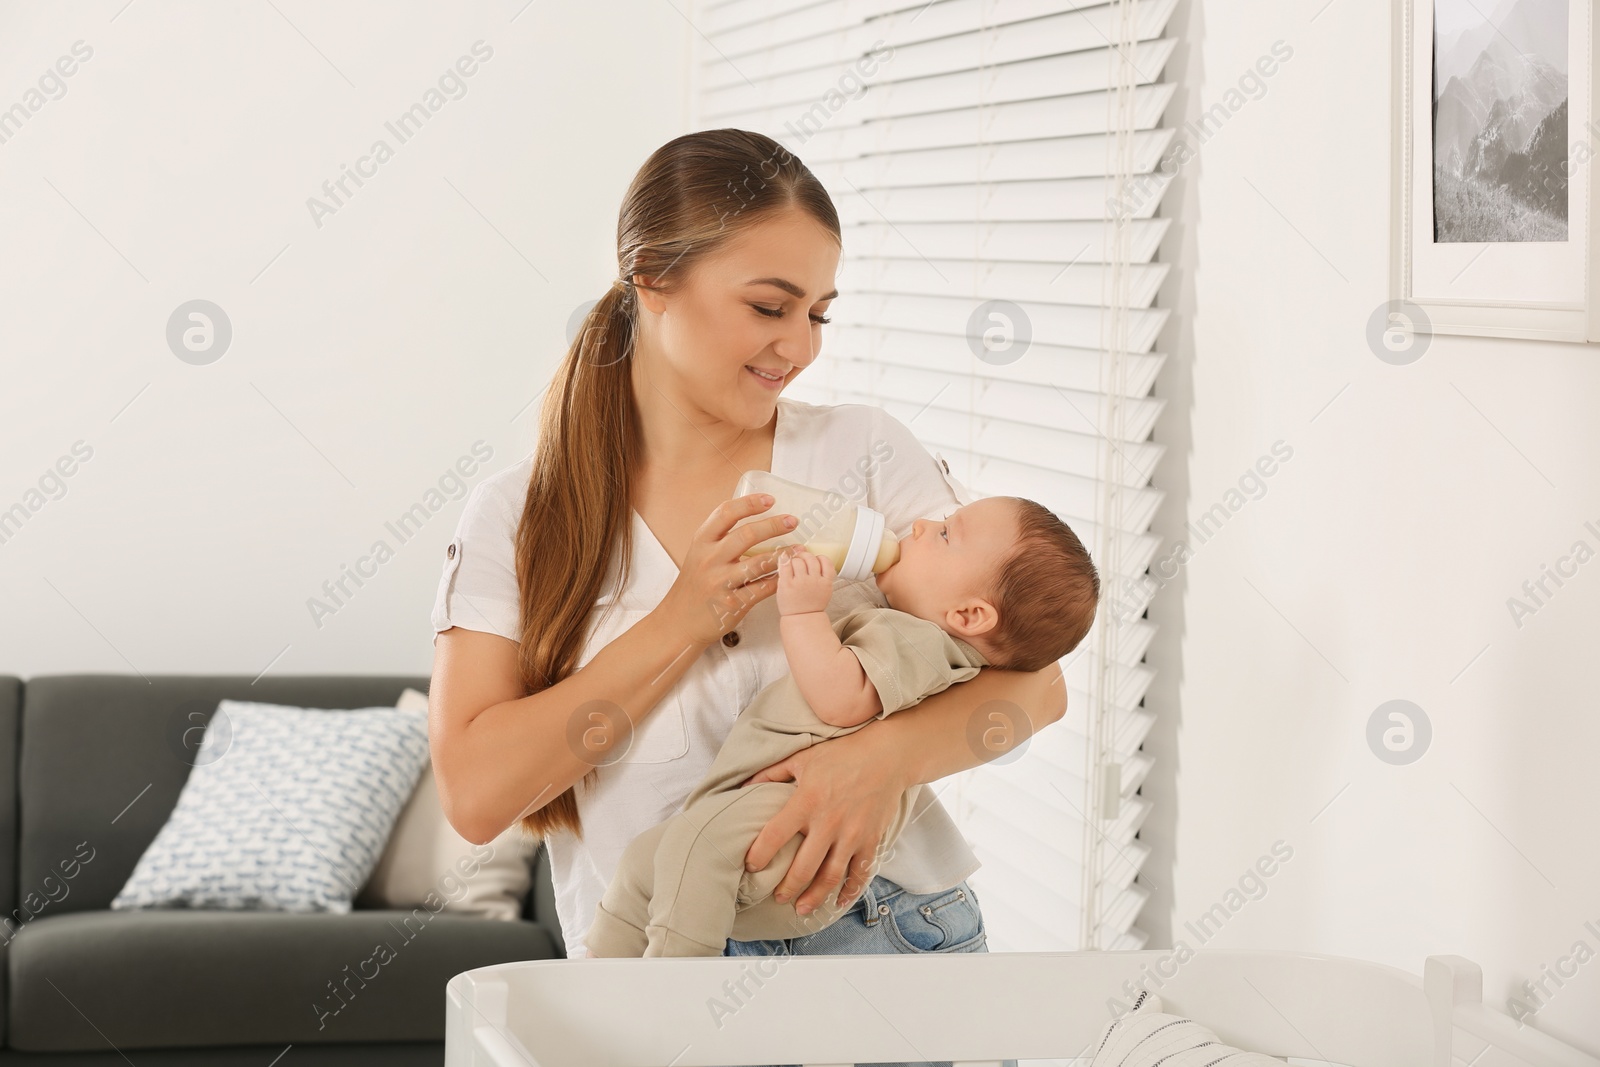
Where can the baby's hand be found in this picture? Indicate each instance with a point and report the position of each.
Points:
(805, 581)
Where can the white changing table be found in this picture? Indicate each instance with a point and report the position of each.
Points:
(972, 1008)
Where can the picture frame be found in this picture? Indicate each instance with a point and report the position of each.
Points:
(1478, 249)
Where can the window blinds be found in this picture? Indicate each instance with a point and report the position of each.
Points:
(996, 171)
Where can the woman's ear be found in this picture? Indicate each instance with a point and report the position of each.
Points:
(646, 296)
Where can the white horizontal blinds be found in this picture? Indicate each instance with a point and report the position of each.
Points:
(969, 147)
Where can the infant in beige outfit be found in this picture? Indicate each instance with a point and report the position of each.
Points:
(1002, 582)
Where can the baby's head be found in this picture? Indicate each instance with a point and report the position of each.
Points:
(1003, 574)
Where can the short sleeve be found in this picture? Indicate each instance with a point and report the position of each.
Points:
(478, 589)
(906, 659)
(910, 483)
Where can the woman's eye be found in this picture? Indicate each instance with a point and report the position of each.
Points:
(945, 533)
(777, 313)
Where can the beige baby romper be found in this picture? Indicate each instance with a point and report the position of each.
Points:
(681, 888)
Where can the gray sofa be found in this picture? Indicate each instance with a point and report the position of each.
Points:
(93, 766)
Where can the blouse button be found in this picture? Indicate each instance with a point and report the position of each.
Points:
(730, 638)
(450, 553)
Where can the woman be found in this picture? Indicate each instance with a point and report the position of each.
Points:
(610, 548)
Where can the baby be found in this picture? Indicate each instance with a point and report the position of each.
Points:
(1002, 582)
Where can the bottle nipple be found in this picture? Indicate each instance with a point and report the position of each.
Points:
(888, 554)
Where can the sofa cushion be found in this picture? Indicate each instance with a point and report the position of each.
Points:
(104, 757)
(153, 979)
(426, 859)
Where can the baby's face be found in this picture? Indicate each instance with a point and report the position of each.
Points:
(944, 563)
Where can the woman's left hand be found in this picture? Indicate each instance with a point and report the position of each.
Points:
(847, 791)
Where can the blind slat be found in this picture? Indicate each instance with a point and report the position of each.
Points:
(1070, 325)
(860, 127)
(1001, 161)
(1083, 369)
(775, 56)
(725, 17)
(1028, 241)
(897, 386)
(802, 94)
(974, 279)
(1061, 199)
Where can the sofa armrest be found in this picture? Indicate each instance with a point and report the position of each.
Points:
(10, 739)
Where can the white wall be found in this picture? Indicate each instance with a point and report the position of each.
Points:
(369, 353)
(1376, 566)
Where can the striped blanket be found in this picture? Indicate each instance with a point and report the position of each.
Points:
(1148, 1037)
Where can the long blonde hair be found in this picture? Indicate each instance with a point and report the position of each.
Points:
(691, 197)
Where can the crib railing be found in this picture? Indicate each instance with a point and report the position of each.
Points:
(1468, 1028)
(974, 1009)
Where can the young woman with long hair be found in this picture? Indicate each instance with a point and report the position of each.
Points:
(597, 629)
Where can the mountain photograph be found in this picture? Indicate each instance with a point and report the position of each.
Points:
(1500, 121)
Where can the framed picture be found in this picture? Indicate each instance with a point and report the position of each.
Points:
(1496, 143)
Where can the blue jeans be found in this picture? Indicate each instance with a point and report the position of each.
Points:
(887, 918)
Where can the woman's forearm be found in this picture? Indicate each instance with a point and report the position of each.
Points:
(498, 756)
(952, 731)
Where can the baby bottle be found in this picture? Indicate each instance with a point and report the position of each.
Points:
(852, 536)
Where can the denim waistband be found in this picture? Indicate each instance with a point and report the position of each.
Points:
(877, 894)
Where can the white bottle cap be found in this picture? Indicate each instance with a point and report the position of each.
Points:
(864, 542)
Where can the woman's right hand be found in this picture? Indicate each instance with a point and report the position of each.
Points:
(715, 589)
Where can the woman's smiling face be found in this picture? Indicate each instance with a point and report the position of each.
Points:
(755, 305)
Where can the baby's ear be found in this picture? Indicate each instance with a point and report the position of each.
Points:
(975, 618)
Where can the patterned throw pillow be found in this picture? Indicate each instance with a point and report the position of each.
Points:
(1149, 1037)
(286, 809)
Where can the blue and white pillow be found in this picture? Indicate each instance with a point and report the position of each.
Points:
(286, 809)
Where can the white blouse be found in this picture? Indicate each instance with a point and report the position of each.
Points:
(862, 452)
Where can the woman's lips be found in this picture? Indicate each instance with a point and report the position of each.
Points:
(773, 383)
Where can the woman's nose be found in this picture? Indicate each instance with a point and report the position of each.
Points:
(796, 347)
